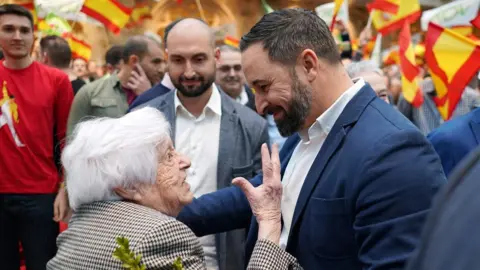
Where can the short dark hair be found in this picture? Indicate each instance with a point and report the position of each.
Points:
(57, 49)
(286, 33)
(114, 55)
(228, 48)
(18, 10)
(136, 45)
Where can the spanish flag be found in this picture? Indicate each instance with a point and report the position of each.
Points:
(384, 22)
(453, 60)
(141, 12)
(80, 49)
(231, 41)
(111, 13)
(411, 90)
(336, 9)
(389, 6)
(30, 6)
(476, 21)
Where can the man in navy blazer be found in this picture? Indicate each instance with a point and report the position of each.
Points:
(358, 178)
(456, 138)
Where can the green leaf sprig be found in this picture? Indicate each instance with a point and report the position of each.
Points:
(177, 264)
(128, 258)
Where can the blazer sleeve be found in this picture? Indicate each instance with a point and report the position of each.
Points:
(171, 239)
(397, 183)
(267, 255)
(257, 148)
(221, 211)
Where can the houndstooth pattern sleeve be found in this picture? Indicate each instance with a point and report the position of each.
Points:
(268, 256)
(163, 244)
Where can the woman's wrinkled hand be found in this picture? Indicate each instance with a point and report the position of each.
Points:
(265, 200)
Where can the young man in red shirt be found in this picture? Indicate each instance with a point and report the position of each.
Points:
(35, 101)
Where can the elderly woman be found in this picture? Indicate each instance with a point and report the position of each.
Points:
(124, 178)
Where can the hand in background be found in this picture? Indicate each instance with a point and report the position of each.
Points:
(61, 207)
(138, 81)
(265, 200)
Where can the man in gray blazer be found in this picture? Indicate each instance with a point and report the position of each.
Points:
(221, 137)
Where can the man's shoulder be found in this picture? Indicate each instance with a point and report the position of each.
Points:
(99, 86)
(158, 101)
(453, 130)
(53, 72)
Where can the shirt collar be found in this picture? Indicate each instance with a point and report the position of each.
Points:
(243, 97)
(214, 104)
(325, 122)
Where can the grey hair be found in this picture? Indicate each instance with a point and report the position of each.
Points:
(355, 69)
(105, 153)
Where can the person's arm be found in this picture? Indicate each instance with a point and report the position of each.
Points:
(221, 211)
(63, 103)
(395, 188)
(268, 255)
(80, 108)
(167, 242)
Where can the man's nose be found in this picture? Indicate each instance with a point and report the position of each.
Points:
(189, 71)
(260, 103)
(185, 162)
(17, 35)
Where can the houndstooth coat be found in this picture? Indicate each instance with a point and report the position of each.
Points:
(89, 241)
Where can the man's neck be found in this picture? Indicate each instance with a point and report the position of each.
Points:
(337, 83)
(195, 105)
(17, 63)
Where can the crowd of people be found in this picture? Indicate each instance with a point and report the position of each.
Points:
(284, 153)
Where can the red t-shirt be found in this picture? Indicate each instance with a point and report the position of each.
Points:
(35, 103)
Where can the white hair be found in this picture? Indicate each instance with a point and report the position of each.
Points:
(355, 69)
(105, 153)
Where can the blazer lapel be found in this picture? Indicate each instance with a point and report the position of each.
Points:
(227, 143)
(349, 116)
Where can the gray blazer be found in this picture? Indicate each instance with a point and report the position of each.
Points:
(89, 241)
(242, 132)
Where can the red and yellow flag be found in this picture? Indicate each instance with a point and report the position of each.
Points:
(410, 89)
(141, 12)
(30, 6)
(80, 49)
(453, 60)
(231, 41)
(476, 21)
(389, 6)
(336, 9)
(384, 22)
(111, 13)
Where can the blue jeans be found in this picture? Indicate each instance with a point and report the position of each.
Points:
(27, 218)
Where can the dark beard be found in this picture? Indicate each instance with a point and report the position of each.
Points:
(298, 108)
(194, 91)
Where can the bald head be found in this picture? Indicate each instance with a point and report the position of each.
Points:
(190, 27)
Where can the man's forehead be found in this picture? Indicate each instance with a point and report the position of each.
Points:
(15, 20)
(229, 57)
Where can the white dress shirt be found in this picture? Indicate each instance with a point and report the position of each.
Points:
(198, 138)
(243, 97)
(305, 153)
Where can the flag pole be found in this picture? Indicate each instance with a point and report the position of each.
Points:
(200, 9)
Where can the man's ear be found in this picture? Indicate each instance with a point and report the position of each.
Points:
(217, 54)
(133, 60)
(128, 194)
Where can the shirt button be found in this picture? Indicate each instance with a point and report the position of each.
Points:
(194, 147)
(193, 173)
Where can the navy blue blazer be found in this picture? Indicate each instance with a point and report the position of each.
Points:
(456, 138)
(363, 202)
(148, 95)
